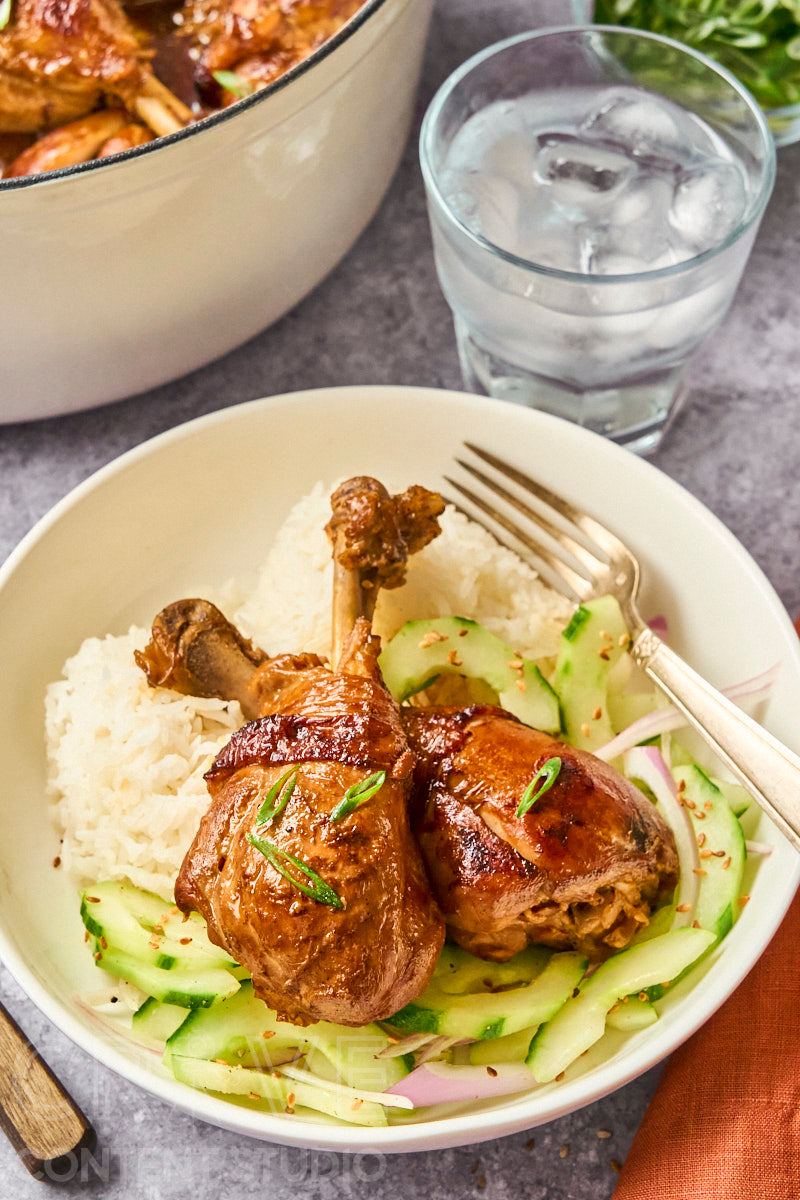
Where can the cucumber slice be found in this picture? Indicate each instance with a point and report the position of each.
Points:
(156, 1021)
(737, 798)
(148, 928)
(421, 650)
(181, 985)
(243, 1031)
(489, 1014)
(631, 1015)
(721, 886)
(458, 972)
(243, 1081)
(513, 1047)
(591, 644)
(582, 1020)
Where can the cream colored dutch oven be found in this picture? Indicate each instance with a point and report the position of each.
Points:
(120, 275)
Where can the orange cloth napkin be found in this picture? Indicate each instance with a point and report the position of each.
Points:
(725, 1121)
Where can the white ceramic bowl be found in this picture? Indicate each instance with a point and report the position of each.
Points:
(124, 273)
(199, 503)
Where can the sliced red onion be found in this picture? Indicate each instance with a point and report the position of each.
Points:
(300, 1075)
(646, 763)
(444, 1083)
(664, 720)
(758, 848)
(659, 625)
(434, 1048)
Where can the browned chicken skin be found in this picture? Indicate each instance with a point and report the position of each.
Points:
(580, 870)
(309, 960)
(57, 57)
(258, 40)
(358, 953)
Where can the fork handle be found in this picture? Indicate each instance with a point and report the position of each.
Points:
(765, 767)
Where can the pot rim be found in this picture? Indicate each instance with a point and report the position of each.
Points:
(328, 47)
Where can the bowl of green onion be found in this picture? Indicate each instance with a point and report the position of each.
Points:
(757, 40)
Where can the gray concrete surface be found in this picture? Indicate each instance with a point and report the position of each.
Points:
(380, 318)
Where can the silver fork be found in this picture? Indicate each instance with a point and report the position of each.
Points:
(591, 561)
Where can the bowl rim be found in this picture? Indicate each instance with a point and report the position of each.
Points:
(328, 47)
(516, 1115)
(431, 176)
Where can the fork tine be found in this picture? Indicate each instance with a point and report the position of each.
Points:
(576, 549)
(563, 578)
(601, 536)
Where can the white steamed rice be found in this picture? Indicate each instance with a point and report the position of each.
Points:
(126, 761)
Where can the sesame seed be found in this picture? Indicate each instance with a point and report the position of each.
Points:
(491, 1071)
(175, 910)
(699, 871)
(696, 925)
(86, 936)
(605, 635)
(531, 1142)
(463, 632)
(604, 1133)
(726, 864)
(158, 929)
(97, 956)
(185, 941)
(267, 1034)
(222, 1062)
(643, 996)
(481, 1182)
(684, 908)
(93, 899)
(356, 1104)
(454, 660)
(564, 1151)
(667, 984)
(705, 854)
(615, 1166)
(689, 803)
(742, 901)
(622, 640)
(681, 785)
(708, 806)
(254, 1095)
(718, 853)
(57, 861)
(522, 685)
(431, 638)
(560, 1077)
(597, 714)
(290, 1099)
(699, 815)
(603, 654)
(103, 943)
(585, 729)
(701, 839)
(475, 1168)
(516, 664)
(289, 1110)
(367, 584)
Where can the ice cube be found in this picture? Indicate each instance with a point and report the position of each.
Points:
(685, 322)
(578, 172)
(637, 221)
(512, 157)
(487, 204)
(642, 123)
(708, 204)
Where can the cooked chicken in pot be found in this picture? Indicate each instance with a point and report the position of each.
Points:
(91, 78)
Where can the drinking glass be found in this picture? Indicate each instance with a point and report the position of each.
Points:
(604, 341)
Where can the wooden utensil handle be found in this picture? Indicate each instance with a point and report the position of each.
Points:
(42, 1122)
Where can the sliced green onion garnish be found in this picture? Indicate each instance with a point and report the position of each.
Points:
(548, 773)
(356, 795)
(320, 890)
(277, 799)
(231, 82)
(5, 13)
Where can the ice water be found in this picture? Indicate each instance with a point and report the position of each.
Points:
(611, 185)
